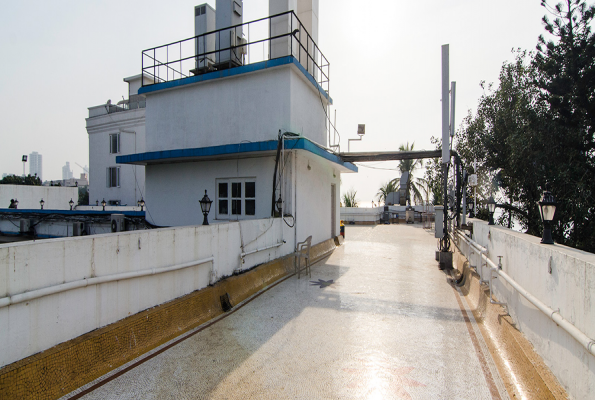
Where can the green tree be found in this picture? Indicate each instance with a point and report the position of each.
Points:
(385, 189)
(19, 180)
(349, 198)
(409, 166)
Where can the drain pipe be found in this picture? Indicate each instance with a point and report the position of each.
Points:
(554, 315)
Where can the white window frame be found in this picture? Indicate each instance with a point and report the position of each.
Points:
(108, 177)
(111, 142)
(229, 198)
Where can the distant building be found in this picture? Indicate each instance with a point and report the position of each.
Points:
(66, 171)
(35, 165)
(116, 129)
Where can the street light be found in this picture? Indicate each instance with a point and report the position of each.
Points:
(547, 209)
(205, 207)
(71, 204)
(41, 203)
(491, 209)
(471, 215)
(141, 203)
(103, 203)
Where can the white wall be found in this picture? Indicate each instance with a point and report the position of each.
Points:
(131, 126)
(313, 195)
(570, 288)
(174, 190)
(55, 197)
(247, 107)
(38, 324)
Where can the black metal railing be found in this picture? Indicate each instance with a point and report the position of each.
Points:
(273, 37)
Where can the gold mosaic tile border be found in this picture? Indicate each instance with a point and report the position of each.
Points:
(58, 371)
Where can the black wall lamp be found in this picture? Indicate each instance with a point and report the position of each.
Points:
(41, 203)
(141, 203)
(205, 207)
(71, 203)
(103, 203)
(547, 209)
(491, 210)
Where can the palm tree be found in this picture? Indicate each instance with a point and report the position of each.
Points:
(349, 198)
(385, 189)
(410, 166)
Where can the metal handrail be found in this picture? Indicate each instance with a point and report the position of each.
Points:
(319, 70)
(554, 315)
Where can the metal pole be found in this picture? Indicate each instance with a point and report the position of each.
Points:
(475, 189)
(445, 131)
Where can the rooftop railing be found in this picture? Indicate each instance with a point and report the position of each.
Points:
(264, 39)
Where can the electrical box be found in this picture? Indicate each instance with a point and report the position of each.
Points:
(472, 180)
(117, 221)
(229, 13)
(439, 222)
(25, 225)
(204, 22)
(78, 229)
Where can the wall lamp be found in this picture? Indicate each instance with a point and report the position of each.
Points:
(205, 207)
(547, 209)
(491, 209)
(103, 203)
(71, 203)
(41, 203)
(141, 203)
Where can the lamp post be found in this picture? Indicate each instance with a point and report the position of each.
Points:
(547, 209)
(471, 215)
(103, 203)
(141, 203)
(491, 209)
(71, 203)
(16, 204)
(205, 207)
(41, 203)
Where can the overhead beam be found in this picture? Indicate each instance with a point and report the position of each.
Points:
(390, 155)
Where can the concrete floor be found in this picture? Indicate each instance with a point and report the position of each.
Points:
(388, 327)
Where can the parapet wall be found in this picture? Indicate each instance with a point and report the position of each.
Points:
(58, 289)
(561, 277)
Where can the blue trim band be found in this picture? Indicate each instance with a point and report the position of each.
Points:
(230, 149)
(244, 69)
(73, 212)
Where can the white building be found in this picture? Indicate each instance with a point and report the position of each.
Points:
(218, 130)
(114, 130)
(66, 171)
(35, 165)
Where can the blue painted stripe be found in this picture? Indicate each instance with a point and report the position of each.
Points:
(244, 69)
(73, 212)
(230, 149)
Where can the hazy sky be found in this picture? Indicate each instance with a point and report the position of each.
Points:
(60, 57)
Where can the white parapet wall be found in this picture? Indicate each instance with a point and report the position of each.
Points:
(563, 279)
(369, 215)
(57, 289)
(54, 197)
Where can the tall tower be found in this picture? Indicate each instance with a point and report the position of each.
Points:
(35, 165)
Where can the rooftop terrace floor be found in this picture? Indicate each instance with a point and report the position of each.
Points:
(388, 327)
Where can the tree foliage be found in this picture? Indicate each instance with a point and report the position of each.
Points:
(349, 198)
(538, 125)
(19, 180)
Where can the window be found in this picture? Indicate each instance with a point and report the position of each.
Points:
(113, 177)
(114, 143)
(236, 198)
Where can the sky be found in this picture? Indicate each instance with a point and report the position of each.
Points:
(61, 57)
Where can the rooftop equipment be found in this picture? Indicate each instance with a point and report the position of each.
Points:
(204, 21)
(229, 13)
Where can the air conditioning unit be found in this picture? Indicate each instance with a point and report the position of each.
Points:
(25, 226)
(78, 229)
(117, 222)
